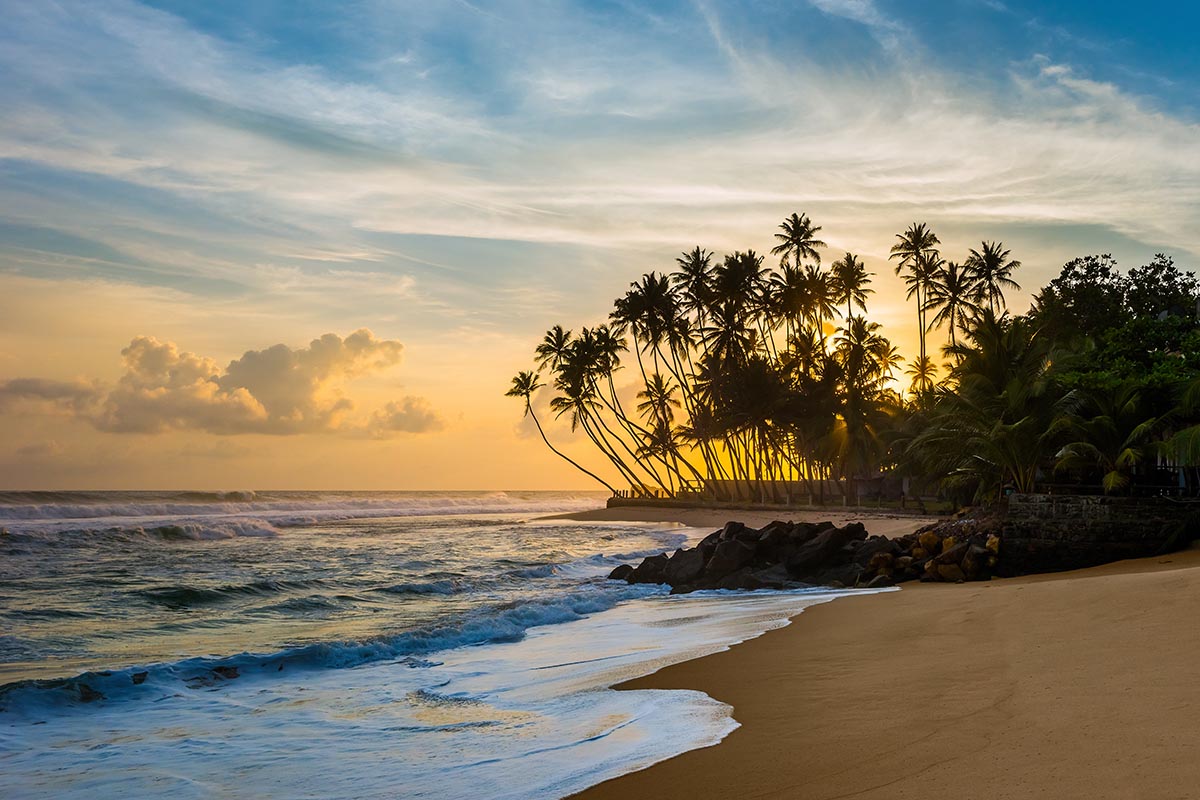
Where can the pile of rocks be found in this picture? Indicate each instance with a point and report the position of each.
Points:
(787, 555)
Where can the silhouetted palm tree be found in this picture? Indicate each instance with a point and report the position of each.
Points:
(524, 385)
(993, 271)
(918, 254)
(951, 295)
(798, 240)
(923, 373)
(848, 279)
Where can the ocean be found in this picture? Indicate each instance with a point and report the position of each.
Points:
(343, 645)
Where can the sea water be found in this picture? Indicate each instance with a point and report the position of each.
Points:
(343, 645)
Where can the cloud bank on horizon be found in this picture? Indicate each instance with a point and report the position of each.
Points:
(450, 171)
(279, 390)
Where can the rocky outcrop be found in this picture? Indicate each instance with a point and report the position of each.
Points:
(1031, 534)
(787, 555)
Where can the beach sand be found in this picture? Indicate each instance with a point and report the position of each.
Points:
(878, 523)
(1075, 685)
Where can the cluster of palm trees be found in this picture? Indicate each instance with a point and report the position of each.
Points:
(763, 383)
(955, 293)
(754, 381)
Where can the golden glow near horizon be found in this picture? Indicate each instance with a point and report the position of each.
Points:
(458, 200)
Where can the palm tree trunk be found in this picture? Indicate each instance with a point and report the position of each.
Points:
(568, 459)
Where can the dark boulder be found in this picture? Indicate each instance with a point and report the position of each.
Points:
(841, 575)
(651, 570)
(621, 573)
(709, 543)
(875, 545)
(684, 567)
(740, 579)
(730, 556)
(731, 530)
(822, 549)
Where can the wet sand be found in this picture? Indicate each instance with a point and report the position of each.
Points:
(1076, 685)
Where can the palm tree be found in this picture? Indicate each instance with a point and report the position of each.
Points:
(693, 281)
(998, 425)
(1114, 434)
(848, 282)
(822, 303)
(917, 253)
(993, 271)
(923, 373)
(798, 240)
(524, 385)
(553, 348)
(951, 294)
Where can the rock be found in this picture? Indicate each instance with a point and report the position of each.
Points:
(730, 556)
(226, 673)
(651, 570)
(880, 561)
(993, 544)
(904, 562)
(846, 575)
(952, 554)
(930, 542)
(919, 553)
(951, 572)
(874, 546)
(816, 553)
(621, 573)
(741, 579)
(975, 562)
(139, 678)
(775, 540)
(854, 531)
(731, 530)
(709, 543)
(878, 582)
(773, 577)
(684, 567)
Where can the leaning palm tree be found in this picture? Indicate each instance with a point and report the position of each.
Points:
(993, 271)
(798, 240)
(917, 253)
(524, 385)
(848, 279)
(951, 294)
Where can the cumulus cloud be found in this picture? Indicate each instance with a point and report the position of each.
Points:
(70, 396)
(410, 415)
(279, 390)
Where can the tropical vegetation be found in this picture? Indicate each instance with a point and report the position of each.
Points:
(732, 377)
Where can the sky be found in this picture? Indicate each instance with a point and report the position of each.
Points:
(303, 244)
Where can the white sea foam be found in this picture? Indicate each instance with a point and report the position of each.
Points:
(300, 506)
(527, 719)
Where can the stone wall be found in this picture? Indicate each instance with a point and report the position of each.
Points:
(1045, 533)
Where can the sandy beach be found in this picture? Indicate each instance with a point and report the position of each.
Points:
(1073, 685)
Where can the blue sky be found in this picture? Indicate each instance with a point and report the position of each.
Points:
(461, 175)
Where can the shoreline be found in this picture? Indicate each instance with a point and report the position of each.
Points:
(881, 522)
(1065, 685)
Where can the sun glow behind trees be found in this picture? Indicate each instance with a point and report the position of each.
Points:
(754, 377)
